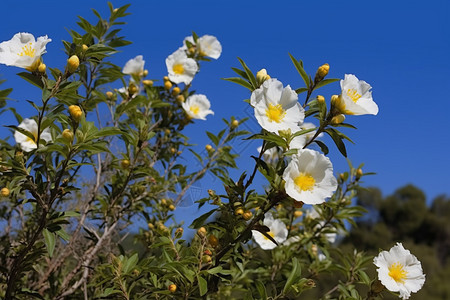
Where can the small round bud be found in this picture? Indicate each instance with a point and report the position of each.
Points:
(84, 48)
(167, 131)
(172, 288)
(173, 150)
(191, 50)
(239, 211)
(145, 73)
(247, 215)
(176, 90)
(323, 70)
(72, 63)
(4, 192)
(165, 78)
(125, 163)
(201, 231)
(180, 98)
(211, 193)
(338, 119)
(359, 173)
(179, 233)
(320, 98)
(42, 67)
(163, 202)
(234, 124)
(147, 82)
(206, 259)
(132, 89)
(172, 207)
(150, 226)
(208, 147)
(213, 240)
(109, 95)
(167, 85)
(342, 176)
(67, 134)
(262, 76)
(298, 213)
(75, 112)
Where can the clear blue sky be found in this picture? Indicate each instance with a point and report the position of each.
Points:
(400, 47)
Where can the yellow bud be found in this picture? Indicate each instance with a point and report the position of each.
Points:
(323, 70)
(75, 112)
(320, 98)
(239, 211)
(359, 173)
(173, 150)
(191, 50)
(125, 163)
(171, 207)
(208, 147)
(145, 73)
(42, 67)
(165, 78)
(213, 241)
(151, 226)
(247, 215)
(132, 89)
(84, 48)
(298, 213)
(167, 131)
(262, 76)
(234, 124)
(180, 98)
(109, 95)
(201, 231)
(314, 249)
(163, 202)
(162, 227)
(342, 176)
(172, 288)
(338, 119)
(67, 134)
(176, 90)
(148, 82)
(179, 233)
(167, 85)
(4, 192)
(206, 259)
(72, 63)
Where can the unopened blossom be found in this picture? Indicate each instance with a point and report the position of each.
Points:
(181, 68)
(23, 51)
(277, 108)
(197, 107)
(134, 66)
(26, 143)
(400, 271)
(278, 232)
(309, 177)
(356, 97)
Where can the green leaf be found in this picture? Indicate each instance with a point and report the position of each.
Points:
(295, 274)
(301, 90)
(337, 140)
(322, 146)
(197, 223)
(203, 285)
(213, 138)
(325, 82)
(299, 66)
(240, 81)
(50, 241)
(261, 289)
(130, 263)
(33, 79)
(249, 73)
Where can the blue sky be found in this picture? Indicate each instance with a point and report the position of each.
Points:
(400, 47)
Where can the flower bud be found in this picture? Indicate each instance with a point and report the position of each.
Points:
(359, 173)
(132, 89)
(213, 241)
(239, 211)
(147, 82)
(163, 202)
(172, 288)
(67, 134)
(173, 150)
(338, 119)
(125, 163)
(320, 98)
(42, 67)
(208, 147)
(150, 226)
(179, 232)
(322, 71)
(176, 90)
(207, 252)
(145, 73)
(206, 259)
(298, 213)
(262, 76)
(165, 78)
(314, 249)
(180, 98)
(172, 207)
(234, 124)
(247, 215)
(4, 192)
(201, 231)
(72, 63)
(167, 85)
(109, 95)
(84, 48)
(75, 112)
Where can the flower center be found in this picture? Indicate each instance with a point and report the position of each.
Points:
(305, 182)
(397, 272)
(194, 109)
(353, 94)
(178, 69)
(275, 113)
(27, 50)
(269, 233)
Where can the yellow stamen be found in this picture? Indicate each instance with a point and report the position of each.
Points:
(275, 113)
(304, 182)
(397, 272)
(27, 50)
(194, 109)
(353, 94)
(178, 69)
(270, 233)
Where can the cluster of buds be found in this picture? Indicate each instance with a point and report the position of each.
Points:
(167, 204)
(167, 83)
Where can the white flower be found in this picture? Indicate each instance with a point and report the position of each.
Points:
(309, 177)
(23, 51)
(313, 214)
(207, 45)
(197, 107)
(180, 67)
(270, 156)
(399, 271)
(278, 232)
(356, 97)
(276, 108)
(26, 143)
(134, 66)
